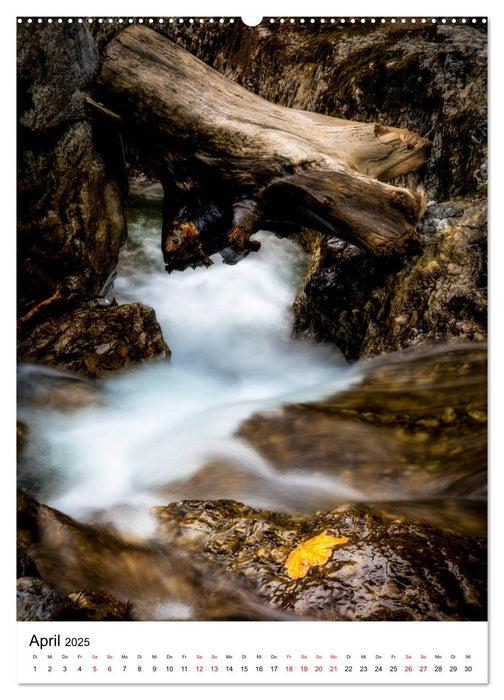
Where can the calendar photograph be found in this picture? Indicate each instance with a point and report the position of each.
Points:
(251, 321)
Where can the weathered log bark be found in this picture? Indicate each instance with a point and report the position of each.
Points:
(232, 163)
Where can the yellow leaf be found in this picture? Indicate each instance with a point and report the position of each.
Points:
(313, 552)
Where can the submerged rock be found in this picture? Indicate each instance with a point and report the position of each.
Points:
(226, 478)
(426, 388)
(441, 293)
(42, 386)
(389, 568)
(94, 341)
(323, 485)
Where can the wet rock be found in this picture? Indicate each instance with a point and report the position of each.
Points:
(87, 565)
(71, 182)
(36, 601)
(389, 569)
(25, 565)
(97, 606)
(426, 388)
(232, 479)
(94, 341)
(413, 427)
(441, 293)
(40, 386)
(364, 462)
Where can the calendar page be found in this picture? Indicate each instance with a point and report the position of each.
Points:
(252, 348)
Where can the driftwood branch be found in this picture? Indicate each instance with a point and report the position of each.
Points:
(232, 163)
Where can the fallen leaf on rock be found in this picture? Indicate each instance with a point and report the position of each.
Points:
(311, 553)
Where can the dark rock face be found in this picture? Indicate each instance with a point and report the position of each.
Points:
(70, 185)
(440, 293)
(94, 341)
(26, 567)
(71, 218)
(389, 569)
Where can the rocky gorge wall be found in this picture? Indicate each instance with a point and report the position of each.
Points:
(71, 211)
(431, 80)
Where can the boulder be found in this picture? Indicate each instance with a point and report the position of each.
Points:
(36, 601)
(39, 602)
(388, 569)
(95, 341)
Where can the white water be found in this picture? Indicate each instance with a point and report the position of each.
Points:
(229, 329)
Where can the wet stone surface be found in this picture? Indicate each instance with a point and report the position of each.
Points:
(389, 569)
(36, 601)
(94, 341)
(39, 386)
(72, 571)
(414, 427)
(97, 605)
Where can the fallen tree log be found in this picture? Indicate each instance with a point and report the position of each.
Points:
(232, 163)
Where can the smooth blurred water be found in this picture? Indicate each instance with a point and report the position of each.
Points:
(229, 329)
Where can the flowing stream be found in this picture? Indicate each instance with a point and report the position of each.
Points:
(162, 424)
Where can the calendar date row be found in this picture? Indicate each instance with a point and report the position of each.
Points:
(138, 668)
